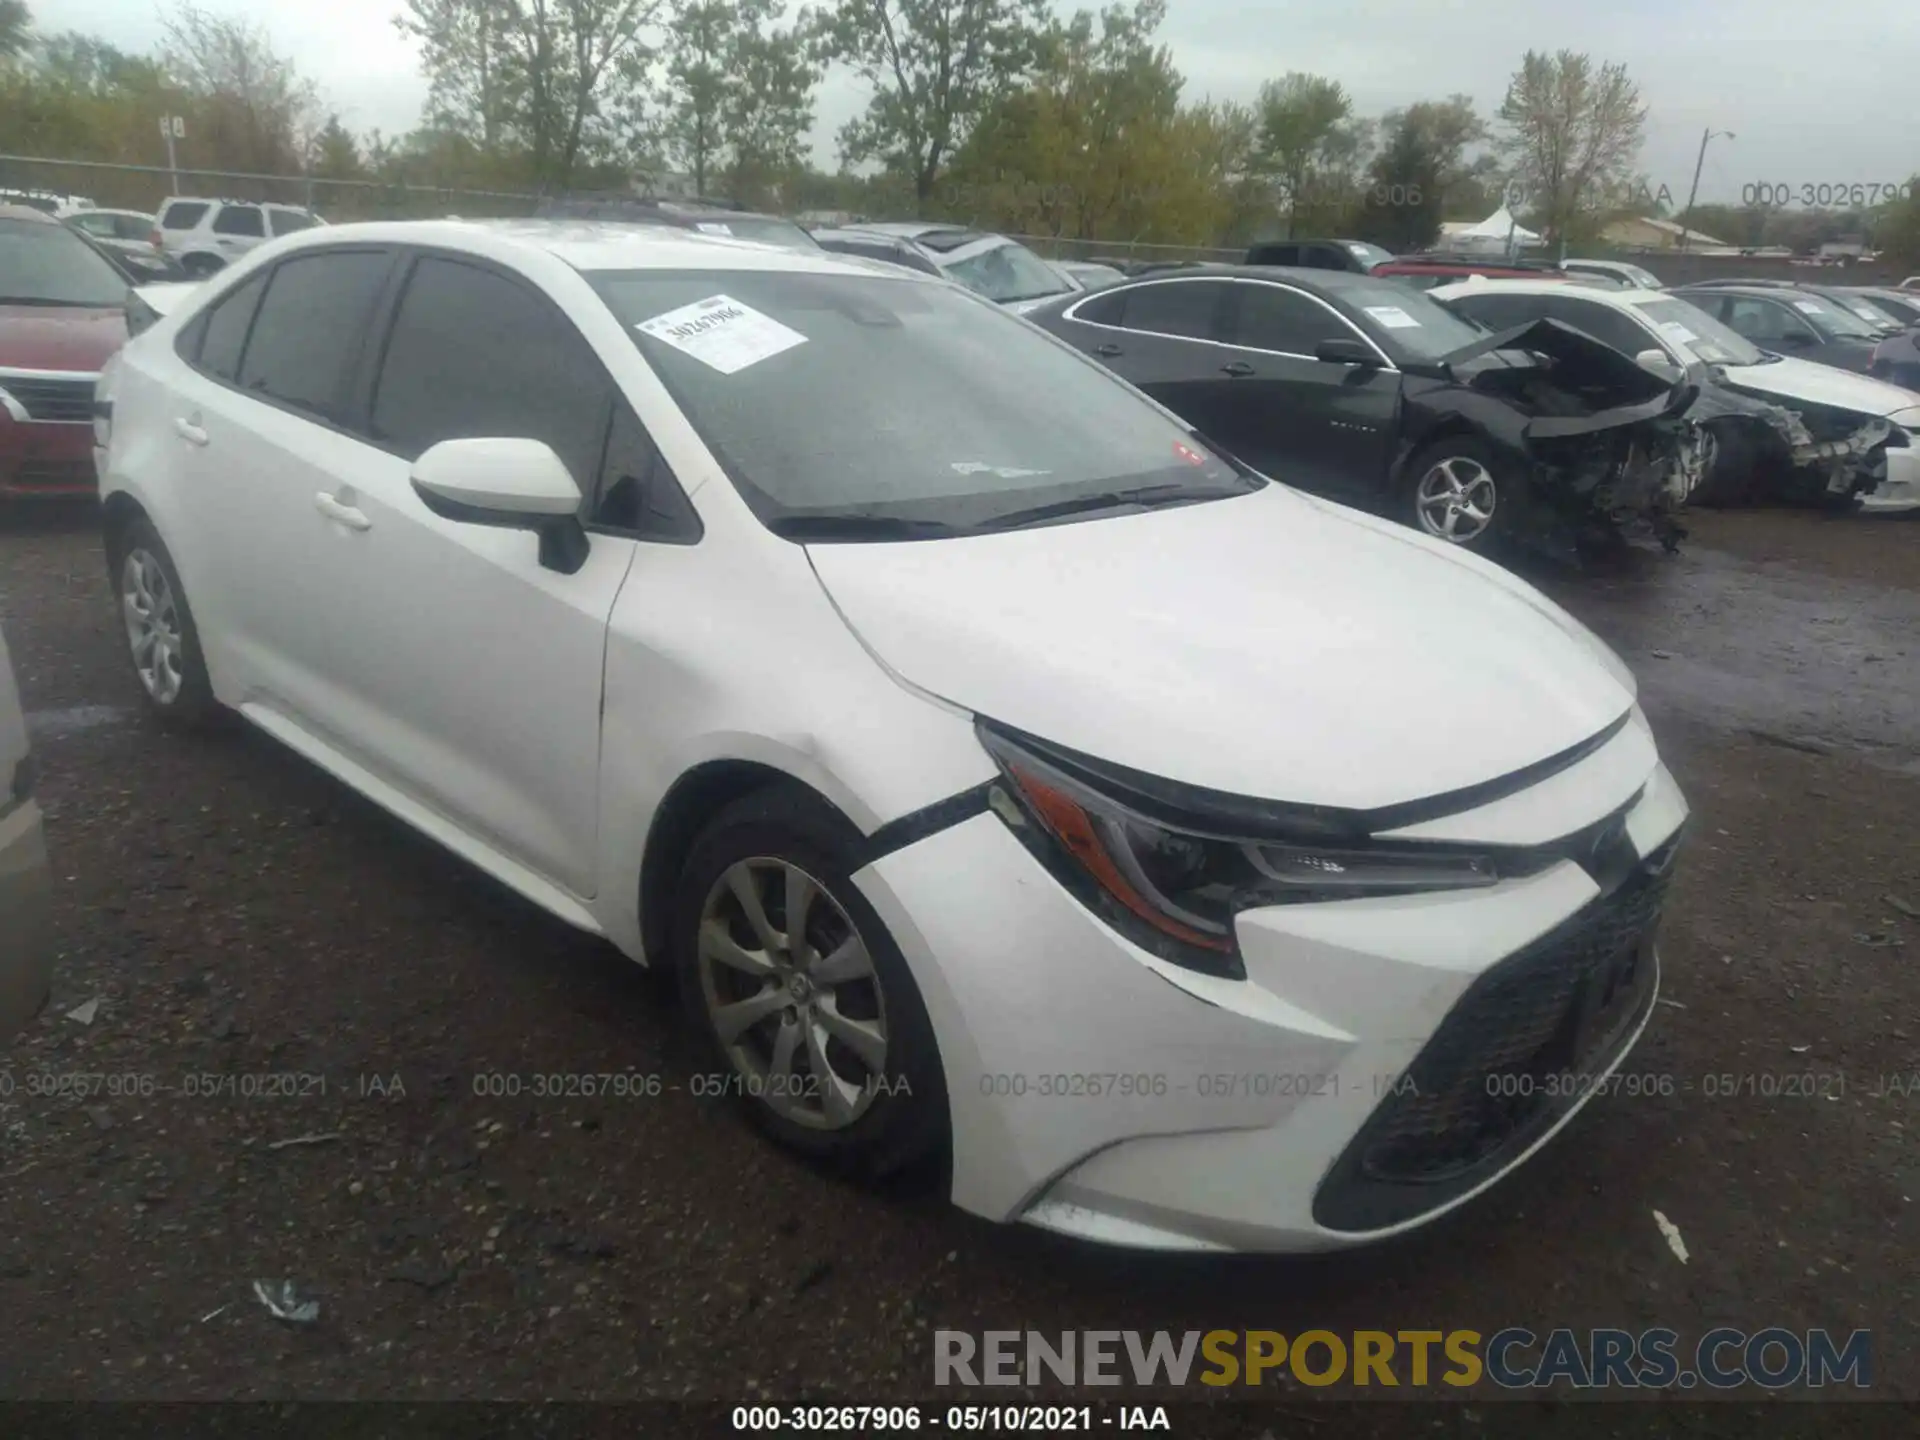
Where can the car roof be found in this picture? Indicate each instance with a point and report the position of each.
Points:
(1484, 286)
(588, 244)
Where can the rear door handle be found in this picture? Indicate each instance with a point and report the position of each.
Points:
(1107, 351)
(347, 515)
(1239, 369)
(189, 431)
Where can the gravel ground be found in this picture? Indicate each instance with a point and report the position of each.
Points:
(237, 914)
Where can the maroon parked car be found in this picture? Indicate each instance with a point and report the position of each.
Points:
(62, 314)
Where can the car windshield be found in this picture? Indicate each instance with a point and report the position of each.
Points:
(1830, 317)
(1687, 327)
(1407, 323)
(1006, 271)
(862, 406)
(1368, 255)
(43, 264)
(1869, 311)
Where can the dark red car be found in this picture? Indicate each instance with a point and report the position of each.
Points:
(1429, 270)
(62, 315)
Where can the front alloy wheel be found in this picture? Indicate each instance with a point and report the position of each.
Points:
(152, 617)
(791, 993)
(1456, 499)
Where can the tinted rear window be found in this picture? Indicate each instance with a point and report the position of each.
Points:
(309, 328)
(183, 214)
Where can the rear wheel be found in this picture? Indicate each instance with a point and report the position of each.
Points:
(162, 641)
(800, 997)
(1453, 491)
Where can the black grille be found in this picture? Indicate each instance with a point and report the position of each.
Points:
(50, 475)
(1497, 1071)
(52, 399)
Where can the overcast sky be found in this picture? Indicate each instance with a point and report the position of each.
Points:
(1807, 106)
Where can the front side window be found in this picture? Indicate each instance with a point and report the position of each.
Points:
(1764, 322)
(46, 264)
(226, 326)
(1271, 317)
(1832, 319)
(308, 333)
(239, 220)
(856, 406)
(97, 225)
(473, 353)
(1607, 326)
(132, 227)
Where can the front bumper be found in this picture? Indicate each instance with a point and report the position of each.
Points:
(1102, 1092)
(46, 460)
(1899, 489)
(26, 918)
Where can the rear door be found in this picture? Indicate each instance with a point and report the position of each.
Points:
(1311, 423)
(264, 426)
(1165, 336)
(237, 229)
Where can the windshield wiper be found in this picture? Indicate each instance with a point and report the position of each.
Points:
(1139, 495)
(857, 525)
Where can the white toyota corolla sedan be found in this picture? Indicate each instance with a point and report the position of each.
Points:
(1003, 772)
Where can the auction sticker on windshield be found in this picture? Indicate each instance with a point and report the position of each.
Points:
(713, 227)
(1676, 332)
(722, 333)
(1393, 317)
(1810, 307)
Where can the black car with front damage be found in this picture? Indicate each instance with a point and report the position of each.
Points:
(1779, 428)
(1367, 392)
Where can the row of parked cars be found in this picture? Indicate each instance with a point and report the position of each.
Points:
(994, 755)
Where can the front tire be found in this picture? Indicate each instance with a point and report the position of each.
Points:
(816, 1027)
(1452, 491)
(162, 641)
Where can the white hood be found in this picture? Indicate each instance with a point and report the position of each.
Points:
(1270, 646)
(1816, 384)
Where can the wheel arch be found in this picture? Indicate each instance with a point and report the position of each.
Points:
(693, 799)
(118, 512)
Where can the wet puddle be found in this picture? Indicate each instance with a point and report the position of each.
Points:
(1766, 648)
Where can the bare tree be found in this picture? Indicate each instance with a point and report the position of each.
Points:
(255, 110)
(1573, 132)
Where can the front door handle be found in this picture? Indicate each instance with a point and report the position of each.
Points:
(347, 515)
(1106, 351)
(1239, 369)
(189, 430)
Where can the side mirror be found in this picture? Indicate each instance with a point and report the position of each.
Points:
(1345, 352)
(1659, 362)
(512, 483)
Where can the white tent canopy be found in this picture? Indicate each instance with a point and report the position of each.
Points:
(1491, 233)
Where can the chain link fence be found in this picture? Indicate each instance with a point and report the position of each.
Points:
(146, 188)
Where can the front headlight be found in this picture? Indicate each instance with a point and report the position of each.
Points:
(1173, 882)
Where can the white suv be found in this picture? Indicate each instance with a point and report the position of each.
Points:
(207, 235)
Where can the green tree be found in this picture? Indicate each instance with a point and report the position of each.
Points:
(701, 82)
(559, 78)
(252, 109)
(1572, 133)
(935, 67)
(335, 155)
(770, 112)
(16, 27)
(1310, 148)
(1422, 159)
(1897, 230)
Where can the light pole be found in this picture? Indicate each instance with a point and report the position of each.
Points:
(1686, 220)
